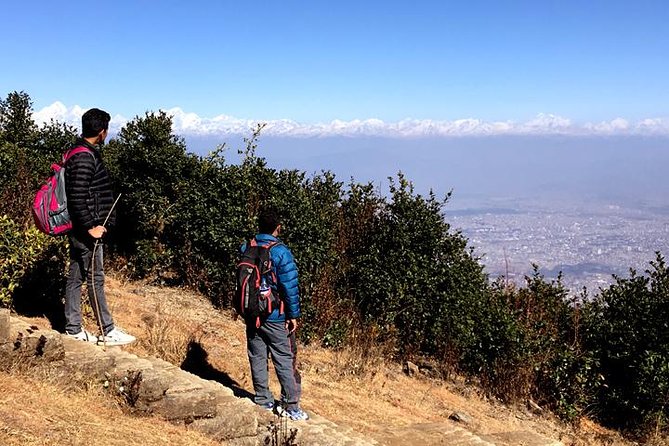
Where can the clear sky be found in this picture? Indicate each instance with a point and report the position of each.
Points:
(317, 61)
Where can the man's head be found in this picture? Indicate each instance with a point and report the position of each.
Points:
(269, 222)
(94, 125)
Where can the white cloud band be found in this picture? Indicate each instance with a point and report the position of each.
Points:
(544, 124)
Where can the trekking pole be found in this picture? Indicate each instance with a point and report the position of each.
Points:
(95, 296)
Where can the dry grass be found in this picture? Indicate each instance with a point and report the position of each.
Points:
(43, 412)
(353, 387)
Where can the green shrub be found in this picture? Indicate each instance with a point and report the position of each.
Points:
(628, 332)
(211, 221)
(412, 275)
(149, 167)
(544, 357)
(24, 259)
(17, 186)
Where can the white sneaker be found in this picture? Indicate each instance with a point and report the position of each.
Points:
(116, 337)
(83, 335)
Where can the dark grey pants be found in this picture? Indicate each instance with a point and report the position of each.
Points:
(83, 268)
(272, 339)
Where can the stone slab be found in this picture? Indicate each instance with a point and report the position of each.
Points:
(4, 325)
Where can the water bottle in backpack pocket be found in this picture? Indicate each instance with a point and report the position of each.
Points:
(266, 295)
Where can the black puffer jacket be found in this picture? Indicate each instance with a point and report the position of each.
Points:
(88, 188)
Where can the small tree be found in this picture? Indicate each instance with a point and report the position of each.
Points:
(16, 122)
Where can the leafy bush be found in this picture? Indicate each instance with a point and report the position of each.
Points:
(16, 183)
(149, 167)
(212, 219)
(628, 332)
(543, 357)
(413, 274)
(26, 259)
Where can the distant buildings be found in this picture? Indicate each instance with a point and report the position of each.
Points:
(588, 245)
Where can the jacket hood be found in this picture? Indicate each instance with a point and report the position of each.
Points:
(266, 238)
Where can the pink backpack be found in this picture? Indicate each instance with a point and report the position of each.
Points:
(50, 205)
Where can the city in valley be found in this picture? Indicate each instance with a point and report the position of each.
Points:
(588, 243)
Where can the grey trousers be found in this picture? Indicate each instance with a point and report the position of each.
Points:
(82, 268)
(272, 339)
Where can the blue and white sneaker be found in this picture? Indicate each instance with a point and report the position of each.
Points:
(279, 410)
(267, 406)
(296, 414)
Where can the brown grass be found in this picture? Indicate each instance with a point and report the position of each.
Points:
(41, 412)
(352, 387)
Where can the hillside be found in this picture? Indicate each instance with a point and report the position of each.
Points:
(353, 387)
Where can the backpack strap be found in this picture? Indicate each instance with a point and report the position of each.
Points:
(271, 245)
(73, 151)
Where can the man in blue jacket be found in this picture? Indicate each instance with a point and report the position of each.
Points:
(276, 333)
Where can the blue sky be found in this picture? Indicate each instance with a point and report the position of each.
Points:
(316, 62)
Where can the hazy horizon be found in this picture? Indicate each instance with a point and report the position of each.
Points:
(481, 170)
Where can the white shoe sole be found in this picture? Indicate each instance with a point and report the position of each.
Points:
(114, 343)
(90, 340)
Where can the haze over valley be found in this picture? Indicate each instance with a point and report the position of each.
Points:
(587, 206)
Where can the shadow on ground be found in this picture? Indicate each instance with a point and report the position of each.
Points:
(196, 362)
(42, 287)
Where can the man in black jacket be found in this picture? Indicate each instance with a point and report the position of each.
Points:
(89, 202)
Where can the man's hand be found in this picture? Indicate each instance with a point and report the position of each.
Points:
(97, 231)
(291, 325)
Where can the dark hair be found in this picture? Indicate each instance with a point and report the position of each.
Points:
(268, 220)
(93, 122)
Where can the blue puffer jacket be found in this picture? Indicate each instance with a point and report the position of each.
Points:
(286, 274)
